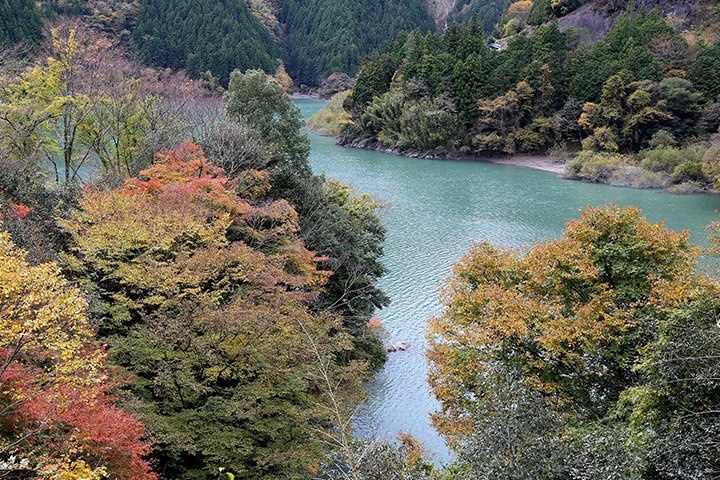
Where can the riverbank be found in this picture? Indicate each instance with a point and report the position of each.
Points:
(435, 210)
(545, 163)
(538, 162)
(616, 173)
(305, 96)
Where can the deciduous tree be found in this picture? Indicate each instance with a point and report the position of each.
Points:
(56, 404)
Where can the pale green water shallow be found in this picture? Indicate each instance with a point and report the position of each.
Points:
(436, 209)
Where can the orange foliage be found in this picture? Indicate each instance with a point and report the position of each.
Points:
(20, 210)
(186, 172)
(175, 224)
(553, 308)
(374, 323)
(56, 400)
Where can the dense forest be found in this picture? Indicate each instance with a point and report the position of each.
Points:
(182, 297)
(641, 103)
(19, 22)
(202, 303)
(325, 37)
(207, 35)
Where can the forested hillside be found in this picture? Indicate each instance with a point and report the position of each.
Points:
(200, 35)
(203, 304)
(333, 36)
(641, 103)
(487, 12)
(19, 22)
(182, 297)
(313, 38)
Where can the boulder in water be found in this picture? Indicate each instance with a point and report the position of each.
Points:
(397, 347)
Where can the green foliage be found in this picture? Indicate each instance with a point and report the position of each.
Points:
(405, 123)
(596, 167)
(258, 101)
(376, 460)
(508, 119)
(689, 172)
(540, 13)
(24, 183)
(264, 131)
(19, 22)
(345, 228)
(441, 76)
(374, 79)
(202, 35)
(331, 119)
(614, 169)
(53, 112)
(705, 72)
(485, 13)
(216, 334)
(629, 115)
(667, 158)
(326, 37)
(626, 48)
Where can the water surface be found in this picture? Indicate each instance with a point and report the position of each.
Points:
(436, 210)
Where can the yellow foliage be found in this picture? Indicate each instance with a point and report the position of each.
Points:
(550, 307)
(72, 469)
(520, 9)
(331, 119)
(40, 311)
(281, 76)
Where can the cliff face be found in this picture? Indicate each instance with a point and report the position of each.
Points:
(440, 11)
(597, 17)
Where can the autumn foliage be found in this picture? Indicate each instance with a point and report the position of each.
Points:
(205, 297)
(565, 313)
(56, 404)
(595, 352)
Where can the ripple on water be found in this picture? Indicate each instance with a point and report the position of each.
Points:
(436, 210)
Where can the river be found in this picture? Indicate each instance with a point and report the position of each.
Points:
(435, 210)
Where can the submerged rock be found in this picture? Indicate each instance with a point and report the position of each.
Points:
(397, 347)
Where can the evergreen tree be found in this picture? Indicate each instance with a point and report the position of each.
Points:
(202, 35)
(333, 36)
(705, 73)
(19, 22)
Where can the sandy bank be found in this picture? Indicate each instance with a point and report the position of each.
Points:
(545, 163)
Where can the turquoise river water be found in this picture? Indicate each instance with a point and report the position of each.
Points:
(435, 211)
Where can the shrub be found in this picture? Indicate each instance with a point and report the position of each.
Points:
(689, 172)
(595, 167)
(663, 138)
(331, 119)
(686, 188)
(667, 158)
(637, 177)
(491, 142)
(603, 139)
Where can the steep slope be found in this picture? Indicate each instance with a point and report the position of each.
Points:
(694, 19)
(19, 22)
(487, 12)
(201, 35)
(314, 38)
(440, 11)
(333, 36)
